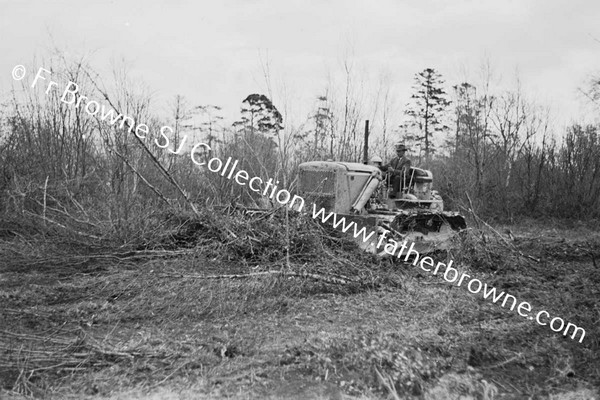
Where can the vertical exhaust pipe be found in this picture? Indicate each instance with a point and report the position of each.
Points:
(366, 146)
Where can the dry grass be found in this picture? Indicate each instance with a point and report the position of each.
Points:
(140, 320)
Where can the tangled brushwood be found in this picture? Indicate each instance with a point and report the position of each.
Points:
(278, 241)
(279, 253)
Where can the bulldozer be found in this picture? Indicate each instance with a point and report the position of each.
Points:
(361, 193)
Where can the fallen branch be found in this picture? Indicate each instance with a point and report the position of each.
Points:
(515, 358)
(319, 277)
(114, 256)
(63, 226)
(65, 213)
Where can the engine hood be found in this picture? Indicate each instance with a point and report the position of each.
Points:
(336, 165)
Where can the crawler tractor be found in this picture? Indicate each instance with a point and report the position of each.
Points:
(360, 193)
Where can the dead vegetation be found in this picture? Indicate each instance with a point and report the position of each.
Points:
(160, 275)
(214, 307)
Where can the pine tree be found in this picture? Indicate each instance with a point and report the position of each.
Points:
(256, 134)
(260, 115)
(427, 109)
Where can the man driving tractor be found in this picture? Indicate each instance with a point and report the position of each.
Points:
(398, 169)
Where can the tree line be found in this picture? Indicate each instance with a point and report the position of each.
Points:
(493, 151)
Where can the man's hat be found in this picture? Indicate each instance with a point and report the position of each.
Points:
(376, 159)
(401, 146)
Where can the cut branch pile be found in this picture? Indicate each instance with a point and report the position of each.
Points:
(250, 242)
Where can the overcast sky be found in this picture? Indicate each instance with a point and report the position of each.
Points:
(210, 52)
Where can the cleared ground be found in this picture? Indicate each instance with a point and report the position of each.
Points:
(79, 321)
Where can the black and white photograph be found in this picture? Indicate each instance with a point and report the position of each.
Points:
(303, 199)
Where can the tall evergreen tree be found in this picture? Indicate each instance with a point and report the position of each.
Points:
(257, 131)
(427, 109)
(259, 114)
